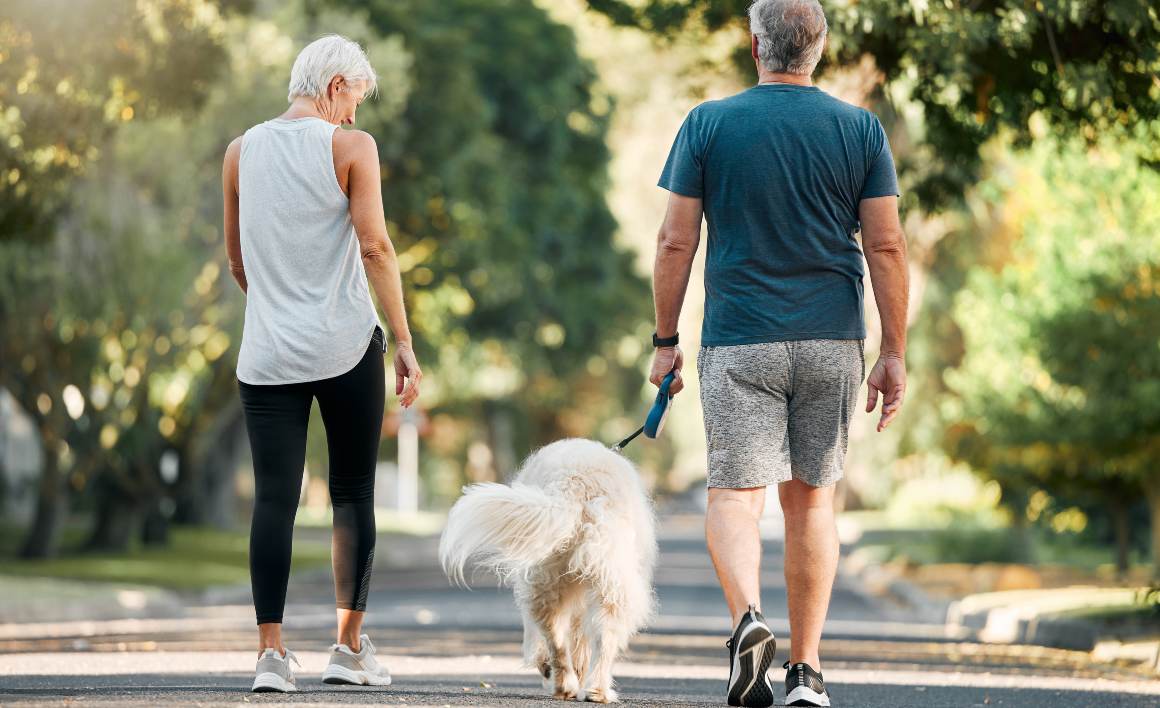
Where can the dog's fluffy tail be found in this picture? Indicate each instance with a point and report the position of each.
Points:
(509, 530)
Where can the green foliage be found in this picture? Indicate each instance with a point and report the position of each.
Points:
(1071, 67)
(71, 71)
(1150, 598)
(1058, 385)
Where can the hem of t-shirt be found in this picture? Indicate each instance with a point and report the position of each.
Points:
(894, 193)
(681, 190)
(345, 368)
(784, 337)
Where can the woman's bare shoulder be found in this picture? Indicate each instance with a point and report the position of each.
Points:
(350, 145)
(234, 151)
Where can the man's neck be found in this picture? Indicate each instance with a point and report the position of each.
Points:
(769, 77)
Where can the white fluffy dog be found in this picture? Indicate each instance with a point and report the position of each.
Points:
(574, 536)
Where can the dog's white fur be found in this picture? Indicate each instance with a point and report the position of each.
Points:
(574, 536)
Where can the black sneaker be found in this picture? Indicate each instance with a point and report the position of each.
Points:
(804, 686)
(750, 654)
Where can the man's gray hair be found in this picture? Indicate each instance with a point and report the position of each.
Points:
(325, 58)
(791, 34)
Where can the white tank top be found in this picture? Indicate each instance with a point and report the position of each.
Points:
(309, 314)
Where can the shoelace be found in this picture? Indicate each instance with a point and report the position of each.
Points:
(752, 612)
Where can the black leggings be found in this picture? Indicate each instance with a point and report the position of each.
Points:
(276, 419)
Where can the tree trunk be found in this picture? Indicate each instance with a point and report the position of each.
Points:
(155, 528)
(206, 494)
(501, 438)
(118, 522)
(1023, 544)
(1123, 534)
(43, 537)
(1152, 491)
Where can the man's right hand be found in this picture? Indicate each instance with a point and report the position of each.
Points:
(665, 360)
(888, 377)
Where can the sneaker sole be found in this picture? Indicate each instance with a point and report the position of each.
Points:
(750, 664)
(336, 675)
(806, 696)
(272, 683)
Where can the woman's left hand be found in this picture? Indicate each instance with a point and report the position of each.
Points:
(406, 368)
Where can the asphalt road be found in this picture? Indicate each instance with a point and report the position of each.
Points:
(452, 646)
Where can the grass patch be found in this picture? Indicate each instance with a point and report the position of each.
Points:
(195, 559)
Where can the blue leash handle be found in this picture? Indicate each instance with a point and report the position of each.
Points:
(656, 415)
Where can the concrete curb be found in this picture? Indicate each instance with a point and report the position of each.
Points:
(881, 580)
(1039, 619)
(1010, 617)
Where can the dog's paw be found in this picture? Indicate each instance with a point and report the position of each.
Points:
(567, 687)
(600, 695)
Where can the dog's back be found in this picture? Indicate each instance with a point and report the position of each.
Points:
(569, 497)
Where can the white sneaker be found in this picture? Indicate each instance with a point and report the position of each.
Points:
(361, 669)
(273, 672)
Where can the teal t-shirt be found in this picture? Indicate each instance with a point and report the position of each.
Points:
(781, 169)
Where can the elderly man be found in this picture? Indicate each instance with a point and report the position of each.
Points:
(786, 176)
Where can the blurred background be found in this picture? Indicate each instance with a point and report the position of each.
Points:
(520, 143)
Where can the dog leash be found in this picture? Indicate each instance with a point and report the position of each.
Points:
(656, 415)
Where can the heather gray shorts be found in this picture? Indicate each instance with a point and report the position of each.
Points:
(779, 410)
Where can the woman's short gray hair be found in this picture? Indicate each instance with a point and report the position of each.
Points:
(325, 58)
(791, 34)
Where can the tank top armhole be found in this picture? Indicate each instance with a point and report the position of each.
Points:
(328, 130)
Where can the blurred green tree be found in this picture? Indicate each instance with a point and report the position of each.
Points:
(1083, 67)
(71, 71)
(1059, 385)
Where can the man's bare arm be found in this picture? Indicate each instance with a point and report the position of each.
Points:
(677, 242)
(884, 244)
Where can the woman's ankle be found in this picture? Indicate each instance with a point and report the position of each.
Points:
(270, 637)
(353, 643)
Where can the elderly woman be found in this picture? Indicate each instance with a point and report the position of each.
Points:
(304, 232)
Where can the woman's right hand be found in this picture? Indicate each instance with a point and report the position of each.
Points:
(406, 369)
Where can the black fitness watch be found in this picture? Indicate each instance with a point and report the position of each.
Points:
(665, 341)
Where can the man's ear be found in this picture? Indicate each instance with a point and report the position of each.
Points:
(753, 47)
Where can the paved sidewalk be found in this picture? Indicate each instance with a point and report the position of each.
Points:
(451, 646)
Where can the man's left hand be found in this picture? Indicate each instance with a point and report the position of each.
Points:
(665, 360)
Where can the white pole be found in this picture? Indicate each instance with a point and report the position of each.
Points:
(408, 490)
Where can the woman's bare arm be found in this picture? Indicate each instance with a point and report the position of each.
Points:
(230, 219)
(364, 187)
